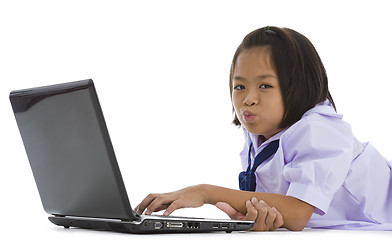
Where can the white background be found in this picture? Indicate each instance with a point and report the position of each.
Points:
(161, 70)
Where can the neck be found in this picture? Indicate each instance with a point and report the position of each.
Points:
(261, 140)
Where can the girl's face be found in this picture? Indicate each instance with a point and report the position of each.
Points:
(256, 94)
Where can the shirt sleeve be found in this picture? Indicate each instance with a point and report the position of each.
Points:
(318, 154)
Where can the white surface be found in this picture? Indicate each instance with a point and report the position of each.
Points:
(161, 70)
(49, 232)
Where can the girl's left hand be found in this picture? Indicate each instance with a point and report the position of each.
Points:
(265, 217)
(189, 197)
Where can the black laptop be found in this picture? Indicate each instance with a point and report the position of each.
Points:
(75, 168)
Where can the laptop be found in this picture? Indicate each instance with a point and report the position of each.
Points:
(75, 168)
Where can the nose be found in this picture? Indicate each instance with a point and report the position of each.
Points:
(251, 99)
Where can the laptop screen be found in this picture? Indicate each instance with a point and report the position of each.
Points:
(70, 152)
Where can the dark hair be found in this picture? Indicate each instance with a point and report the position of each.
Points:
(302, 76)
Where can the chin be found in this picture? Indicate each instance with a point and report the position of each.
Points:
(253, 130)
(257, 131)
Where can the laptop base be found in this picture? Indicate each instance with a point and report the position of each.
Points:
(149, 225)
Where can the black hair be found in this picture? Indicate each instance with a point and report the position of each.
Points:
(301, 73)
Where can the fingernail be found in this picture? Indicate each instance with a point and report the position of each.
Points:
(254, 199)
(148, 212)
(261, 201)
(248, 202)
(165, 214)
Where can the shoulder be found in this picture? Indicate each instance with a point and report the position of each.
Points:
(320, 130)
(320, 120)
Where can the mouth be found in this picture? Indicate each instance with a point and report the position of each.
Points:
(248, 116)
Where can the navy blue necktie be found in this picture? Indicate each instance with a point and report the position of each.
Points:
(247, 179)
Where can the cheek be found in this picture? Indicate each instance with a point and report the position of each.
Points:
(279, 112)
(237, 102)
(275, 109)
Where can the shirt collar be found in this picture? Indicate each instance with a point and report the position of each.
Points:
(255, 140)
(325, 108)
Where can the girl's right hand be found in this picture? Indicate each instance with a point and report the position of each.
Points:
(265, 217)
(189, 197)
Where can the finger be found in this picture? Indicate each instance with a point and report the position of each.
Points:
(159, 203)
(137, 209)
(146, 202)
(174, 206)
(160, 208)
(270, 218)
(262, 213)
(261, 207)
(230, 211)
(251, 212)
(279, 219)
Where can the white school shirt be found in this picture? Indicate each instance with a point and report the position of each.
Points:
(319, 161)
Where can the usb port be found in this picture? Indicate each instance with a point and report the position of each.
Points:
(225, 226)
(215, 225)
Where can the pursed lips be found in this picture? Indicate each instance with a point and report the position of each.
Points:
(248, 116)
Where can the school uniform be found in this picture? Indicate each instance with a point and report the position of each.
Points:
(319, 161)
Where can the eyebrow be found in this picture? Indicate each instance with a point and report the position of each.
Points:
(263, 76)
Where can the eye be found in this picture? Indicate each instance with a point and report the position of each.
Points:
(265, 86)
(239, 87)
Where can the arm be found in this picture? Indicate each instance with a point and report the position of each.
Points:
(296, 213)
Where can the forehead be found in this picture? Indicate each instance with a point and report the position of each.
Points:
(254, 61)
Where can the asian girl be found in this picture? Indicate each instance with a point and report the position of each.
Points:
(303, 167)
